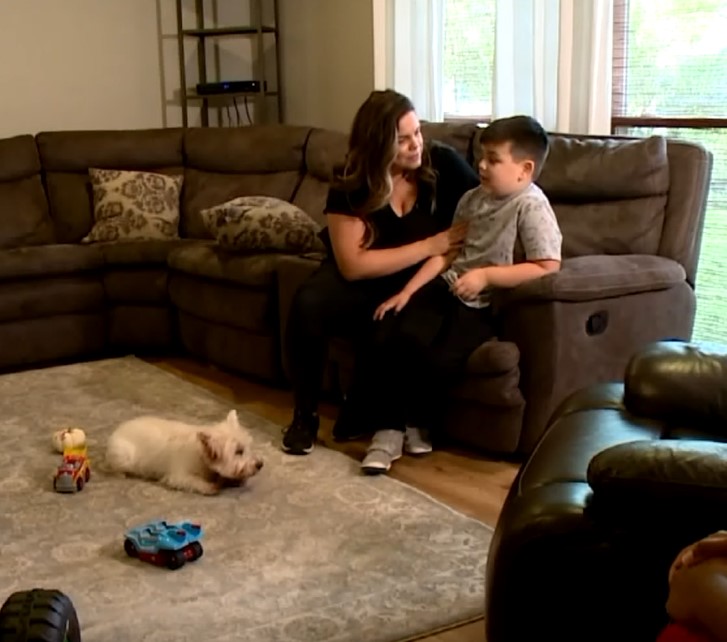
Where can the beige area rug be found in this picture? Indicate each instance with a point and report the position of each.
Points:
(312, 551)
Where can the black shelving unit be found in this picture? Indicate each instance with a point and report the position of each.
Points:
(201, 33)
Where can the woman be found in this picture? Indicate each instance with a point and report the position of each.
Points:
(389, 209)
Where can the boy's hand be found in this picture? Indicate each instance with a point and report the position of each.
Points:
(395, 303)
(470, 284)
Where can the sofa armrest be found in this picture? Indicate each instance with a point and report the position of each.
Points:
(291, 270)
(590, 278)
(654, 483)
(679, 382)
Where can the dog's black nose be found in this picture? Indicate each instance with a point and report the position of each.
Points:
(259, 464)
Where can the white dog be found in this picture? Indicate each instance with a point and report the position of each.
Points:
(201, 459)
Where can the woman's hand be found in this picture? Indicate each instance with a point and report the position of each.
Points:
(395, 303)
(470, 284)
(714, 545)
(450, 239)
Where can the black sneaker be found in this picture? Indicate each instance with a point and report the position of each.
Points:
(350, 424)
(300, 436)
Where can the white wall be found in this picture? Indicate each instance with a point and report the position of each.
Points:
(113, 64)
(327, 59)
(78, 64)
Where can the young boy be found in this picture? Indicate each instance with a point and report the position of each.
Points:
(512, 237)
(505, 213)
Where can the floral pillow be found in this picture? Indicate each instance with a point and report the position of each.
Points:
(262, 223)
(131, 205)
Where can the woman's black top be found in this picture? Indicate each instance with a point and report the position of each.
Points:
(431, 213)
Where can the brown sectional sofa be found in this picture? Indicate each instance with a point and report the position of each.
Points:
(631, 212)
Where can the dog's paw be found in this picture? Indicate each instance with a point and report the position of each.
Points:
(192, 485)
(210, 489)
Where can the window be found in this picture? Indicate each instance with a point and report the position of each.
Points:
(669, 63)
(469, 57)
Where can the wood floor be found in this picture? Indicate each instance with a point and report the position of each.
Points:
(470, 483)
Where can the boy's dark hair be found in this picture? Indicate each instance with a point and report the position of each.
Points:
(527, 138)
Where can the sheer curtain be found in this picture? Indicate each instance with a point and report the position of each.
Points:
(414, 52)
(553, 62)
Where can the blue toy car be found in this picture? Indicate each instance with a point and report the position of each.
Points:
(165, 544)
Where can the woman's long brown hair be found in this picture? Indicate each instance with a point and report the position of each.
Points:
(366, 173)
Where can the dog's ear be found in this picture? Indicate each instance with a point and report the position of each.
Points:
(232, 418)
(208, 446)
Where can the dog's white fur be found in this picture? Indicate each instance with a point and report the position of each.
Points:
(188, 457)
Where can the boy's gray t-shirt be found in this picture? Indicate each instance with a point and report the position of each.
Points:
(522, 226)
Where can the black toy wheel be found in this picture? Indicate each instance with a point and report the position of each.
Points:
(79, 484)
(130, 548)
(175, 560)
(87, 474)
(39, 616)
(197, 550)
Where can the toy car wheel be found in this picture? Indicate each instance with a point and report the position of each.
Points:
(39, 615)
(79, 484)
(130, 548)
(175, 560)
(197, 550)
(87, 474)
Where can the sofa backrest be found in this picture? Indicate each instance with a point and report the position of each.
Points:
(324, 150)
(24, 218)
(689, 177)
(223, 163)
(609, 196)
(612, 195)
(67, 156)
(626, 195)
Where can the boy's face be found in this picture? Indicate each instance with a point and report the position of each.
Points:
(501, 174)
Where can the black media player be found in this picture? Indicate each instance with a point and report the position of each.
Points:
(228, 87)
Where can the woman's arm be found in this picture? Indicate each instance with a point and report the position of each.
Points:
(356, 262)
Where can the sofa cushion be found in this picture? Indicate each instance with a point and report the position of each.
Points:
(24, 300)
(493, 358)
(605, 169)
(24, 216)
(262, 223)
(225, 303)
(609, 195)
(495, 390)
(136, 284)
(131, 205)
(48, 260)
(625, 226)
(67, 156)
(138, 253)
(213, 262)
(666, 471)
(246, 161)
(462, 136)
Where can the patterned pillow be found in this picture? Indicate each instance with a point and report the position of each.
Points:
(262, 223)
(129, 205)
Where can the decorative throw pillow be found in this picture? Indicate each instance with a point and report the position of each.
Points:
(262, 223)
(130, 205)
